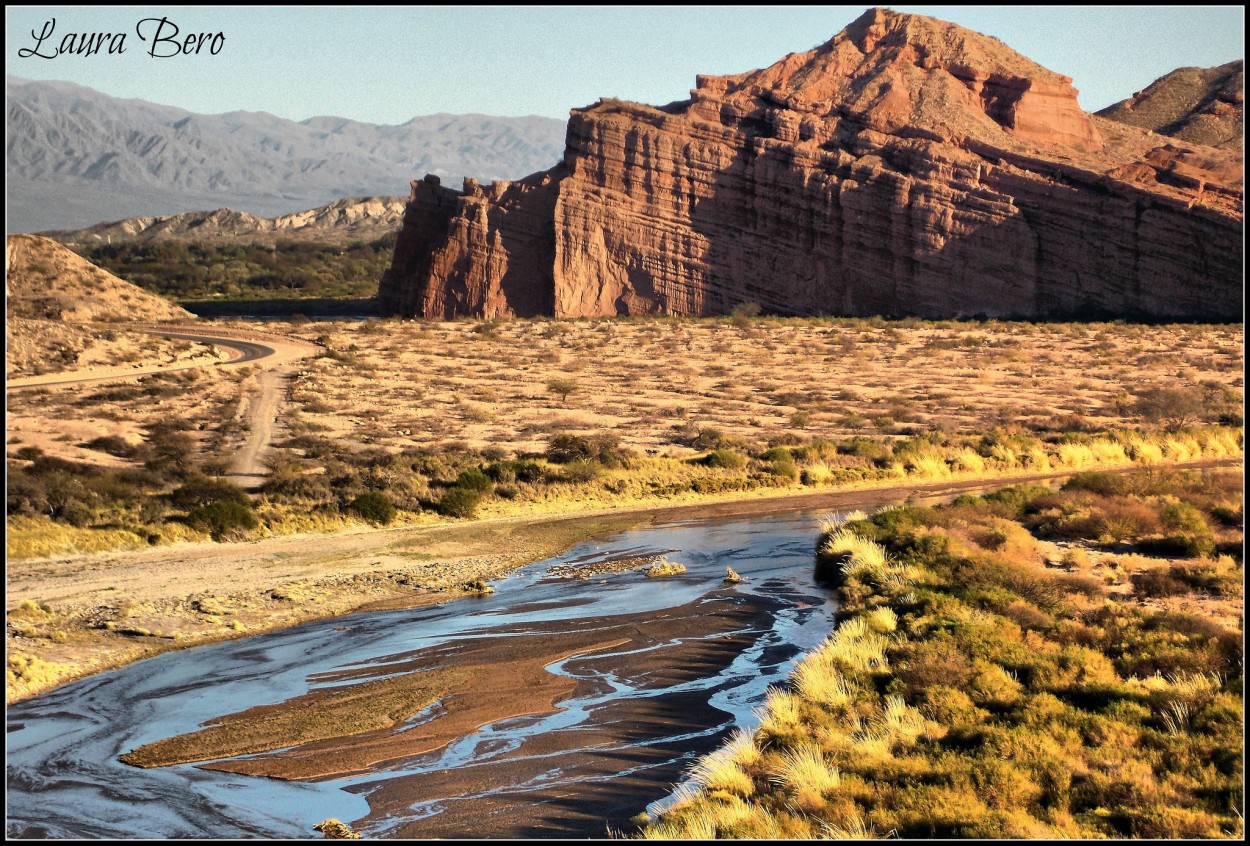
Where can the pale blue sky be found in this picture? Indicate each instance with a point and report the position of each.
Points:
(385, 65)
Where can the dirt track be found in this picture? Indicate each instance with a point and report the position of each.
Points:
(274, 355)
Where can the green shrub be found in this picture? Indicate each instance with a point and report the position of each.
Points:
(73, 513)
(475, 480)
(295, 485)
(1185, 518)
(111, 444)
(1158, 582)
(1229, 515)
(1222, 577)
(605, 449)
(460, 502)
(723, 458)
(1105, 484)
(516, 470)
(705, 438)
(1179, 545)
(563, 387)
(223, 520)
(1174, 407)
(577, 472)
(201, 490)
(374, 506)
(503, 472)
(874, 452)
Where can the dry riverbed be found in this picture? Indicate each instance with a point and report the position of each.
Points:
(73, 616)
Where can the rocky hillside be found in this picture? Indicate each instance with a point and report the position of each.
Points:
(907, 166)
(52, 295)
(1199, 105)
(75, 157)
(46, 281)
(343, 221)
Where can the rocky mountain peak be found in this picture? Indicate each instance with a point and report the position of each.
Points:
(888, 70)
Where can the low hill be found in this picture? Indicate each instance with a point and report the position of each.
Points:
(1199, 105)
(53, 298)
(45, 280)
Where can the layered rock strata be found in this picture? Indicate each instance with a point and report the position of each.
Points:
(908, 166)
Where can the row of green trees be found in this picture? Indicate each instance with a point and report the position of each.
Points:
(198, 270)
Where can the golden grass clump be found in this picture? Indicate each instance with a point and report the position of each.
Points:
(721, 770)
(817, 680)
(1219, 441)
(781, 710)
(729, 814)
(817, 474)
(855, 828)
(742, 748)
(1142, 451)
(833, 521)
(864, 554)
(881, 620)
(30, 672)
(969, 461)
(36, 537)
(804, 772)
(854, 649)
(928, 465)
(899, 723)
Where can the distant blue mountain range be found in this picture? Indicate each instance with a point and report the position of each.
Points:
(77, 157)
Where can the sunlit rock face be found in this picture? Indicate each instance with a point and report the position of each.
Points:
(906, 167)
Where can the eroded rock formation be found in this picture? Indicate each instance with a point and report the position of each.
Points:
(907, 166)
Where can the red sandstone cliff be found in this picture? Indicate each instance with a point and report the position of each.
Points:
(908, 166)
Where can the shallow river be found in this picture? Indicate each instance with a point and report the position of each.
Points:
(699, 658)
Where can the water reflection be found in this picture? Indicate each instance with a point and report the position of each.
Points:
(633, 712)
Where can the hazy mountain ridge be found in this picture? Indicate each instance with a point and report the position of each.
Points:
(348, 219)
(76, 156)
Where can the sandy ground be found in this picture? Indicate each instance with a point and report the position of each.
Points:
(264, 404)
(653, 384)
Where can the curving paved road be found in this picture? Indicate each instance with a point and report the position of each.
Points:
(242, 352)
(248, 350)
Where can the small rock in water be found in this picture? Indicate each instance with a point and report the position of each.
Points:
(335, 830)
(665, 568)
(731, 577)
(478, 588)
